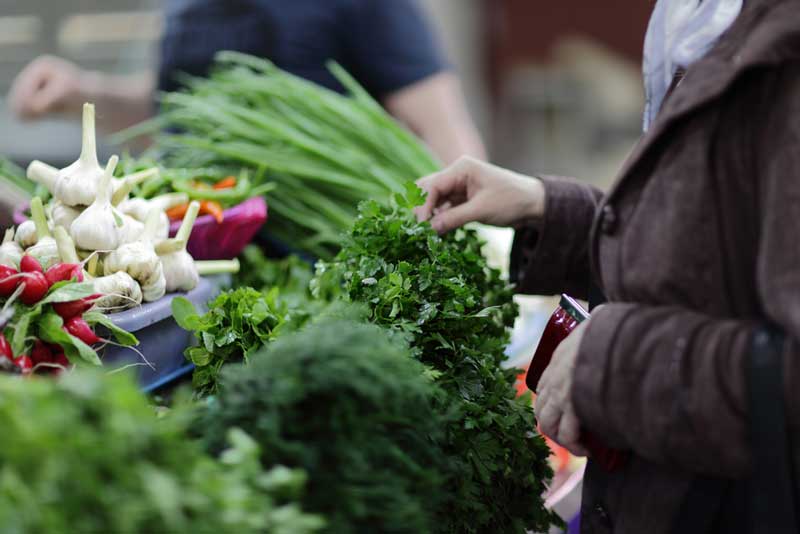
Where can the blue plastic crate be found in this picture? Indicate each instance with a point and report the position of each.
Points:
(161, 340)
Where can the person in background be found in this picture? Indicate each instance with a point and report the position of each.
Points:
(386, 45)
(696, 249)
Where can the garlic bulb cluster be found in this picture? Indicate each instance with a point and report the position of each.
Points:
(93, 221)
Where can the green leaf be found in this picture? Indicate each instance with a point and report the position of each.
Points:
(22, 327)
(68, 292)
(185, 313)
(122, 336)
(50, 330)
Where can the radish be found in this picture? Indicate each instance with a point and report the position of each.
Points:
(64, 271)
(5, 348)
(29, 264)
(73, 308)
(41, 353)
(36, 287)
(81, 329)
(9, 280)
(24, 363)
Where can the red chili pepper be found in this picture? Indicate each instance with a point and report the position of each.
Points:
(64, 271)
(5, 348)
(73, 308)
(8, 280)
(81, 329)
(24, 363)
(176, 213)
(29, 264)
(36, 287)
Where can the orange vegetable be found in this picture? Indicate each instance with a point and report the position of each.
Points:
(176, 213)
(226, 183)
(213, 208)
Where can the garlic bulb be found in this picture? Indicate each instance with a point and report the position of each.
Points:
(45, 250)
(119, 291)
(130, 231)
(179, 271)
(10, 251)
(77, 184)
(98, 227)
(138, 208)
(63, 215)
(26, 234)
(140, 261)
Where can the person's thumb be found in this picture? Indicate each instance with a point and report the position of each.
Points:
(455, 217)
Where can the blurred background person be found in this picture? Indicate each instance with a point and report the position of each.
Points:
(388, 47)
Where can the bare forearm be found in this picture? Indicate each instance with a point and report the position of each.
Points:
(435, 109)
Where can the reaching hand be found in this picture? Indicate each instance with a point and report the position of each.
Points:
(47, 85)
(471, 190)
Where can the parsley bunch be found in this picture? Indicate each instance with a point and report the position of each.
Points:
(346, 402)
(237, 324)
(457, 310)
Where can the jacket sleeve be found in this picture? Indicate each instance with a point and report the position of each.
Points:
(669, 383)
(551, 256)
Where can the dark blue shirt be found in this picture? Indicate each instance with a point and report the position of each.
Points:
(385, 44)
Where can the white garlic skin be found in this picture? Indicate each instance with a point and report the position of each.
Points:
(180, 271)
(46, 252)
(119, 291)
(63, 215)
(26, 234)
(96, 228)
(137, 208)
(10, 254)
(130, 231)
(141, 262)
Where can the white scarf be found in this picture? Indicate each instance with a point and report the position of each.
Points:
(680, 32)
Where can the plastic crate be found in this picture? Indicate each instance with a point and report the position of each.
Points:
(161, 340)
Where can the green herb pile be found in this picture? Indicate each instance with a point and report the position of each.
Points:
(347, 403)
(457, 309)
(291, 275)
(326, 152)
(87, 454)
(237, 324)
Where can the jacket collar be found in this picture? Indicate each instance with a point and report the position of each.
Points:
(766, 32)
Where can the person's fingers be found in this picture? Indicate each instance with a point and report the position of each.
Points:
(549, 418)
(438, 186)
(456, 217)
(49, 97)
(569, 429)
(25, 87)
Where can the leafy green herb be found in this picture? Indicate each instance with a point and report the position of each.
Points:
(347, 403)
(87, 454)
(458, 310)
(237, 324)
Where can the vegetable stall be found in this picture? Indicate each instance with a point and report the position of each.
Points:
(355, 385)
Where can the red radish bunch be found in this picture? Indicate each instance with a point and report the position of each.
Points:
(37, 283)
